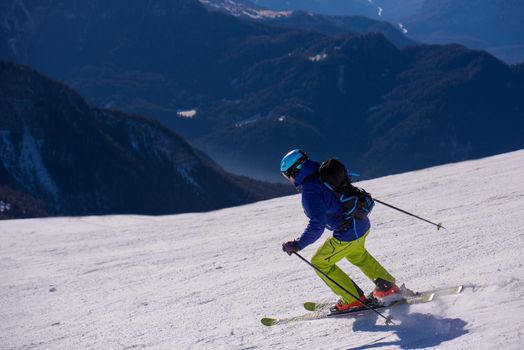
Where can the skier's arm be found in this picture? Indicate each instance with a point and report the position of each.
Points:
(315, 209)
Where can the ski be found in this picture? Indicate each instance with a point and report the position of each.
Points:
(313, 306)
(322, 314)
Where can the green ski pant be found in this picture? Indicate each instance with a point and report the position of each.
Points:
(333, 251)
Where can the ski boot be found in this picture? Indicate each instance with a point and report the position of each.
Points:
(342, 306)
(386, 292)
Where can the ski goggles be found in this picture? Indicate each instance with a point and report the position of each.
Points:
(291, 173)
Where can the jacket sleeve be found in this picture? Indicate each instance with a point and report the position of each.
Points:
(315, 210)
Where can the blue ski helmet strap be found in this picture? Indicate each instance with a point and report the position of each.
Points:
(292, 162)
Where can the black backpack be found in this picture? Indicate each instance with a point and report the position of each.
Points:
(356, 202)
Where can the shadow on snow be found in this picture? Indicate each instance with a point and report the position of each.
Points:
(414, 331)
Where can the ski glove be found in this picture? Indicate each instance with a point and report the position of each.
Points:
(290, 247)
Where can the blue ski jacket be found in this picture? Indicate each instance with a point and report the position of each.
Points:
(323, 209)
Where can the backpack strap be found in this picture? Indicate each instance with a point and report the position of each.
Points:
(356, 203)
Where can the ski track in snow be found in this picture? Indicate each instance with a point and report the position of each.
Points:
(203, 281)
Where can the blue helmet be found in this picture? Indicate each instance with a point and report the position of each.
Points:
(292, 162)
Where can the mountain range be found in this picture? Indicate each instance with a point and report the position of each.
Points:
(329, 7)
(60, 156)
(326, 24)
(492, 25)
(246, 92)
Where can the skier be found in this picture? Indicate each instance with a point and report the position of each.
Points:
(325, 210)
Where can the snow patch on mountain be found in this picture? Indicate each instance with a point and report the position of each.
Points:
(188, 114)
(134, 141)
(318, 57)
(24, 162)
(245, 10)
(246, 122)
(185, 171)
(4, 206)
(379, 9)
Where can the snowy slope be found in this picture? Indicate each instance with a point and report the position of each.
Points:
(203, 281)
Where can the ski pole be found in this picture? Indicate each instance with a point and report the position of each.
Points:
(439, 225)
(388, 319)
